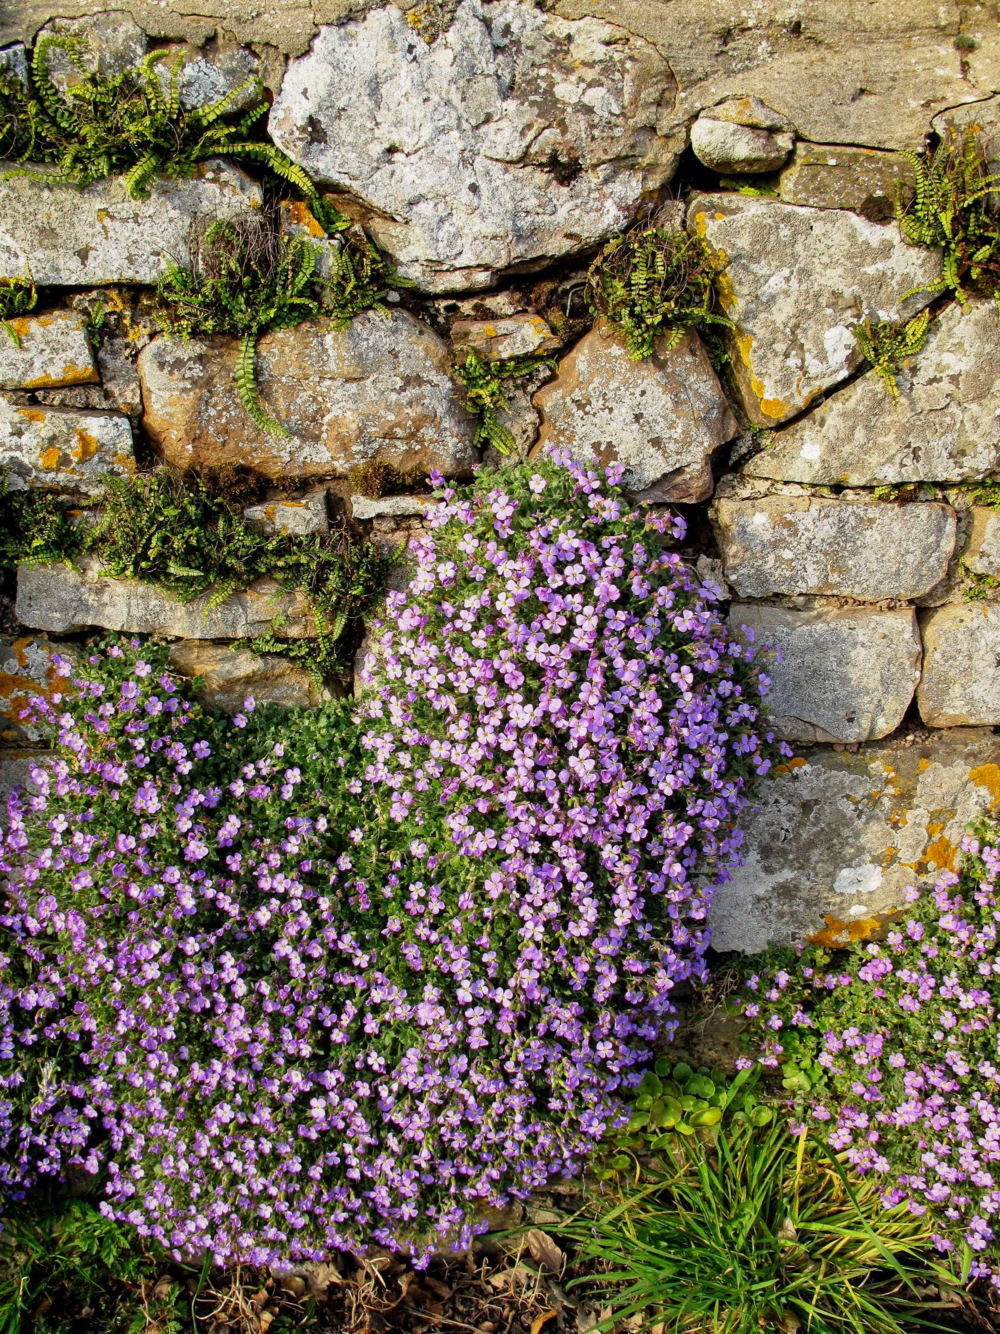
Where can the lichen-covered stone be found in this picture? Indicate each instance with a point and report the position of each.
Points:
(27, 669)
(96, 236)
(778, 544)
(960, 685)
(794, 282)
(516, 336)
(833, 839)
(945, 426)
(513, 137)
(229, 676)
(846, 673)
(62, 448)
(53, 350)
(867, 180)
(982, 554)
(65, 599)
(15, 772)
(662, 418)
(742, 135)
(363, 507)
(297, 517)
(380, 388)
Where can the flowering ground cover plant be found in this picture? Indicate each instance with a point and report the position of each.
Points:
(297, 981)
(891, 1047)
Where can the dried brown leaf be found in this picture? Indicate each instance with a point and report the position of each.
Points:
(545, 1252)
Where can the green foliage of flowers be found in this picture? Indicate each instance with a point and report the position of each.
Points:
(486, 382)
(17, 297)
(954, 210)
(884, 345)
(890, 1048)
(132, 124)
(753, 1230)
(650, 281)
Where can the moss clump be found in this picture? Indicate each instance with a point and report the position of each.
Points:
(375, 479)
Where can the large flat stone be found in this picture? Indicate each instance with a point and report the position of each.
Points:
(54, 350)
(945, 425)
(834, 838)
(662, 418)
(866, 180)
(510, 138)
(229, 675)
(961, 679)
(62, 448)
(84, 238)
(781, 544)
(846, 673)
(381, 388)
(64, 599)
(794, 283)
(982, 554)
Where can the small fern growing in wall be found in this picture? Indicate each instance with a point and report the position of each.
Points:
(955, 210)
(131, 124)
(651, 281)
(486, 386)
(885, 345)
(17, 297)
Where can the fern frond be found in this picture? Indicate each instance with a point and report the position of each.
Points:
(246, 386)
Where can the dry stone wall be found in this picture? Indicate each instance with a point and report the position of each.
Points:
(491, 147)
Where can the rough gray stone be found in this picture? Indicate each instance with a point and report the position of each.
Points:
(107, 44)
(54, 350)
(960, 685)
(662, 418)
(14, 60)
(781, 544)
(381, 388)
(27, 669)
(207, 76)
(513, 137)
(982, 554)
(74, 238)
(866, 180)
(230, 675)
(517, 336)
(63, 599)
(846, 673)
(15, 772)
(793, 284)
(833, 838)
(299, 517)
(62, 448)
(944, 427)
(742, 135)
(390, 506)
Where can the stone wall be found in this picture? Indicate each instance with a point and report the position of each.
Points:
(490, 148)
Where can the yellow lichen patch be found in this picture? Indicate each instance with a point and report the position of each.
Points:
(50, 458)
(988, 776)
(888, 856)
(71, 374)
(924, 764)
(939, 855)
(301, 214)
(86, 446)
(701, 224)
(32, 414)
(836, 934)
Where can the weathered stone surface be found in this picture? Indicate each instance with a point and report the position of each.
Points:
(64, 599)
(512, 137)
(794, 281)
(299, 517)
(15, 772)
(518, 336)
(661, 418)
(944, 427)
(838, 176)
(960, 685)
(834, 838)
(781, 544)
(75, 238)
(230, 675)
(54, 350)
(742, 135)
(106, 44)
(207, 76)
(982, 554)
(381, 388)
(27, 668)
(390, 506)
(846, 673)
(983, 116)
(62, 448)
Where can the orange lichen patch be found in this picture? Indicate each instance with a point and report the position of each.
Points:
(32, 414)
(86, 446)
(71, 374)
(797, 762)
(988, 776)
(939, 855)
(17, 683)
(301, 214)
(50, 458)
(837, 934)
(888, 856)
(924, 764)
(724, 287)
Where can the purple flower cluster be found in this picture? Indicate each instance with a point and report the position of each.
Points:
(352, 979)
(898, 1048)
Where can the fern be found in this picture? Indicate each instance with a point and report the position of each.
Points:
(648, 281)
(485, 382)
(34, 529)
(17, 297)
(246, 387)
(884, 345)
